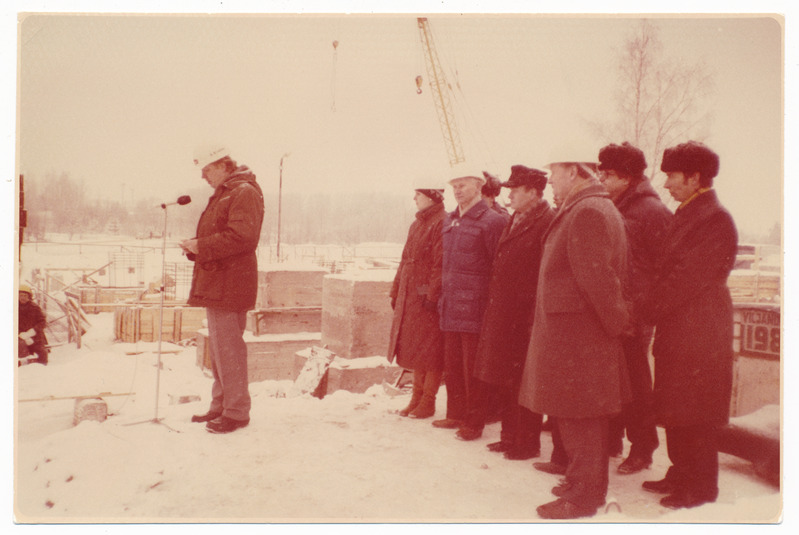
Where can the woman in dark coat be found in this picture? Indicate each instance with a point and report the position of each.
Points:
(691, 308)
(416, 340)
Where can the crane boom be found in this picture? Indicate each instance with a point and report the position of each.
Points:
(441, 98)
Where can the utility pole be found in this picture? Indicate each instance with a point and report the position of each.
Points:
(280, 203)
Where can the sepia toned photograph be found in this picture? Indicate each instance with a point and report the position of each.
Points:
(431, 265)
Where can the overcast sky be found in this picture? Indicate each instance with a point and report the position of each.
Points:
(122, 101)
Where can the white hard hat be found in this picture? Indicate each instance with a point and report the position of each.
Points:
(466, 170)
(573, 151)
(209, 154)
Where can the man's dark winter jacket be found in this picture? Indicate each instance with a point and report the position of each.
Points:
(226, 268)
(469, 246)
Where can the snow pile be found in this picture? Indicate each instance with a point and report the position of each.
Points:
(347, 457)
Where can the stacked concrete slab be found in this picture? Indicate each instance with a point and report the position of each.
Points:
(286, 320)
(356, 321)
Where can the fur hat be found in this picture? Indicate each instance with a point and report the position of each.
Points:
(625, 159)
(436, 195)
(691, 157)
(521, 175)
(493, 185)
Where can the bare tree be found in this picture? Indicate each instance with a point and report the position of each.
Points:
(660, 102)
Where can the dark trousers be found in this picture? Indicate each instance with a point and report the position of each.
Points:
(693, 451)
(460, 350)
(638, 416)
(521, 428)
(586, 443)
(558, 451)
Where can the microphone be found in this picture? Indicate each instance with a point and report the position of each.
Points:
(182, 200)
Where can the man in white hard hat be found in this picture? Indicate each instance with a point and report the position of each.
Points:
(225, 280)
(575, 369)
(470, 237)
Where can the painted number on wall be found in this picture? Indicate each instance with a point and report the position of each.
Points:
(760, 333)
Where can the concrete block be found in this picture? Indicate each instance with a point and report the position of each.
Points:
(352, 375)
(94, 409)
(356, 313)
(269, 356)
(289, 287)
(285, 320)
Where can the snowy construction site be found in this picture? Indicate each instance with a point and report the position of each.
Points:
(341, 118)
(104, 434)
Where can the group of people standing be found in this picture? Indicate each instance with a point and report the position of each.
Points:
(552, 311)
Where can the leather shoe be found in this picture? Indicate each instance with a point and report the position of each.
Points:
(207, 417)
(225, 425)
(661, 486)
(447, 423)
(633, 465)
(521, 454)
(469, 433)
(686, 499)
(560, 490)
(550, 468)
(562, 509)
(499, 446)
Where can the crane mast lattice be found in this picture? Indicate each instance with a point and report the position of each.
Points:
(441, 96)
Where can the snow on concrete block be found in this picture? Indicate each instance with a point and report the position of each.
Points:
(356, 313)
(182, 399)
(358, 375)
(312, 375)
(94, 409)
(756, 438)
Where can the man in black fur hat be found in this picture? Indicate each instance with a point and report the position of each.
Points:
(621, 171)
(690, 305)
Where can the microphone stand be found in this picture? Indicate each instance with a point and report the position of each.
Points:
(155, 419)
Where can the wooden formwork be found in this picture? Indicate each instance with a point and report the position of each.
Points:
(140, 323)
(754, 286)
(96, 299)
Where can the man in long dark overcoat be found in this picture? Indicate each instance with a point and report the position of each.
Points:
(621, 171)
(691, 308)
(415, 337)
(508, 319)
(575, 369)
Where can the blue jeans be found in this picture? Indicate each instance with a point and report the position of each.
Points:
(230, 393)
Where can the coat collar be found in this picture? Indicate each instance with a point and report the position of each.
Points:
(637, 191)
(475, 212)
(525, 220)
(430, 211)
(594, 190)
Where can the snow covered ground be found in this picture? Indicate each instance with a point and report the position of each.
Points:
(346, 458)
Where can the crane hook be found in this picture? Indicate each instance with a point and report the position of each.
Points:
(418, 85)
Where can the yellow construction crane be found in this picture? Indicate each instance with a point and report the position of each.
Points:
(441, 96)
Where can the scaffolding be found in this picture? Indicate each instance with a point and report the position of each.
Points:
(126, 269)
